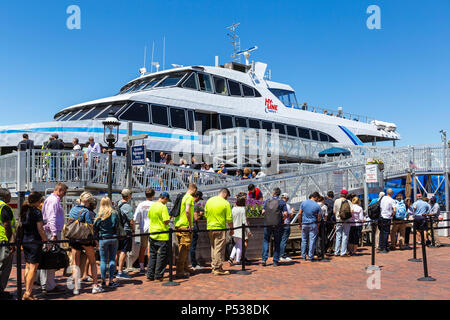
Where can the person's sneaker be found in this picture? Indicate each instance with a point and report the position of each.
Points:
(123, 275)
(264, 263)
(383, 251)
(275, 264)
(198, 267)
(76, 292)
(142, 271)
(287, 259)
(97, 289)
(88, 279)
(150, 279)
(182, 276)
(113, 284)
(221, 273)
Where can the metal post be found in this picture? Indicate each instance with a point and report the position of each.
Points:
(19, 268)
(129, 144)
(366, 196)
(373, 266)
(323, 235)
(110, 151)
(243, 271)
(425, 264)
(414, 258)
(445, 145)
(414, 184)
(171, 283)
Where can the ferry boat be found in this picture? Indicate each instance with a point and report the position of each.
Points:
(168, 105)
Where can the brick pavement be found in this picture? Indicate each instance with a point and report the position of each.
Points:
(342, 278)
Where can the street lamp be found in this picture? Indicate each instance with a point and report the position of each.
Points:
(445, 149)
(110, 136)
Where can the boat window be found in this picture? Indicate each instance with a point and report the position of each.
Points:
(80, 114)
(91, 114)
(291, 130)
(331, 139)
(280, 128)
(130, 88)
(159, 115)
(57, 118)
(141, 85)
(136, 112)
(304, 133)
(115, 108)
(191, 120)
(240, 122)
(178, 118)
(314, 135)
(226, 122)
(267, 125)
(254, 124)
(171, 80)
(190, 82)
(248, 91)
(235, 88)
(257, 94)
(151, 83)
(221, 86)
(205, 82)
(323, 137)
(67, 116)
(286, 97)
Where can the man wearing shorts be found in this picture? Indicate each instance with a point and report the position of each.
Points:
(126, 217)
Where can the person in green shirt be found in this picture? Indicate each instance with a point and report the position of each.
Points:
(159, 218)
(185, 221)
(218, 214)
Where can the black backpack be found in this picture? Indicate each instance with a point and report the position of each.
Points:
(175, 212)
(273, 215)
(374, 210)
(121, 225)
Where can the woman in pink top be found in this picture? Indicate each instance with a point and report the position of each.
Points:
(356, 227)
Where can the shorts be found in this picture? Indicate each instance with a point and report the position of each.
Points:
(125, 245)
(77, 245)
(144, 241)
(32, 253)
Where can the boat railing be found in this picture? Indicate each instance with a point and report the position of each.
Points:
(334, 113)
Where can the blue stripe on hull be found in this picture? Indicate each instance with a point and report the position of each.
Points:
(351, 136)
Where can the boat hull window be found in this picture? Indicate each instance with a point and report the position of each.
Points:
(191, 120)
(248, 91)
(267, 125)
(240, 122)
(291, 130)
(208, 121)
(323, 137)
(254, 124)
(137, 112)
(235, 88)
(280, 128)
(304, 133)
(314, 135)
(205, 82)
(159, 115)
(178, 118)
(226, 122)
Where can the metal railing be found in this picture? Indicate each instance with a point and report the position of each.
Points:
(8, 170)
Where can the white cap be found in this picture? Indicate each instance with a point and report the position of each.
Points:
(284, 195)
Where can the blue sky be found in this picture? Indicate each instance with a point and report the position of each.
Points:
(323, 49)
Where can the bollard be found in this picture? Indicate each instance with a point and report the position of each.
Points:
(170, 283)
(414, 258)
(373, 266)
(424, 256)
(323, 235)
(19, 269)
(433, 244)
(243, 271)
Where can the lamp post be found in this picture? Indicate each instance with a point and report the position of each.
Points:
(110, 136)
(445, 148)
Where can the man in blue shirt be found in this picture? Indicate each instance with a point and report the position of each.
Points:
(309, 216)
(274, 212)
(420, 209)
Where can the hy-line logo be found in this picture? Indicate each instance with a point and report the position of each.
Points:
(270, 107)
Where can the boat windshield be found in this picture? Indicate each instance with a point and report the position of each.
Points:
(286, 97)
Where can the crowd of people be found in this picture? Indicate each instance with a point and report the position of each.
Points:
(122, 230)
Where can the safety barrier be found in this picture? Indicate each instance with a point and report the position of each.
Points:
(18, 244)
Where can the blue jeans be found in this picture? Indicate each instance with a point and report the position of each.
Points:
(107, 250)
(342, 232)
(194, 246)
(309, 232)
(284, 239)
(268, 231)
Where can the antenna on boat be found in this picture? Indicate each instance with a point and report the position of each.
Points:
(164, 53)
(143, 70)
(156, 64)
(246, 54)
(235, 41)
(153, 51)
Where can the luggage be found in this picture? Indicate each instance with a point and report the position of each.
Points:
(345, 212)
(175, 212)
(374, 210)
(273, 215)
(53, 258)
(74, 229)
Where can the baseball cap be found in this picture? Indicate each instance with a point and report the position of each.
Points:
(126, 192)
(165, 195)
(343, 191)
(199, 194)
(284, 195)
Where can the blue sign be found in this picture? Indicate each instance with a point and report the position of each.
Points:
(138, 155)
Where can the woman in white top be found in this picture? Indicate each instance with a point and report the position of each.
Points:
(356, 227)
(239, 217)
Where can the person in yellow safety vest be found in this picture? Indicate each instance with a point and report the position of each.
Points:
(7, 233)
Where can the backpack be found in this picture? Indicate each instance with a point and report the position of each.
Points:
(175, 212)
(374, 210)
(345, 212)
(273, 214)
(121, 225)
(401, 213)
